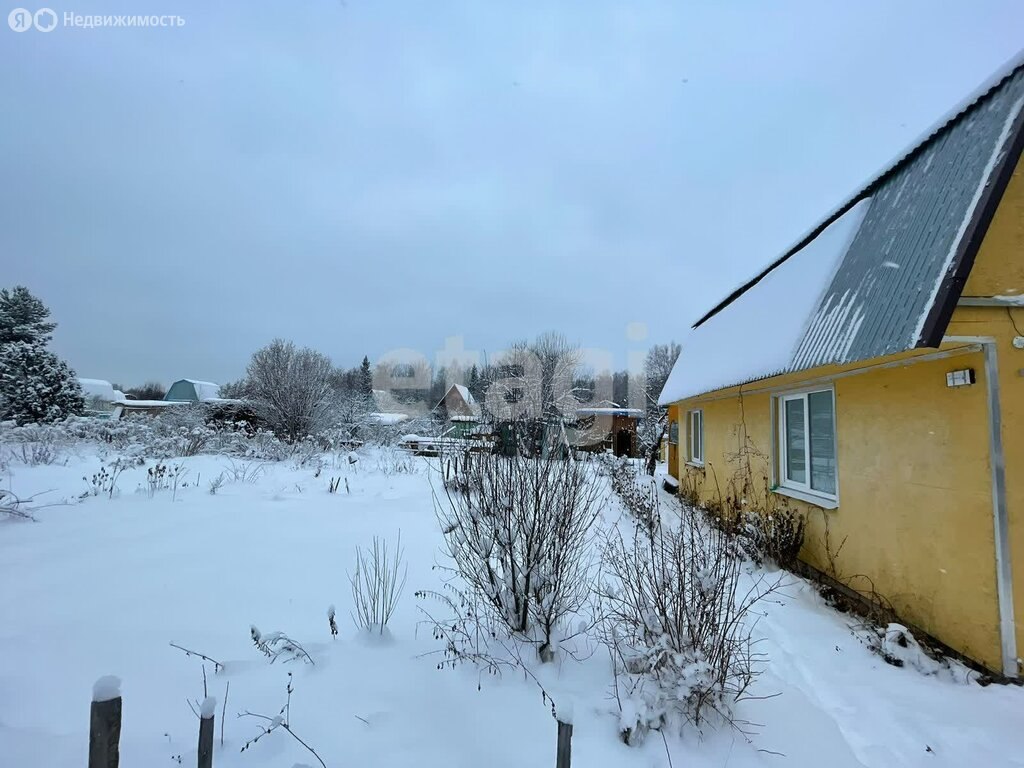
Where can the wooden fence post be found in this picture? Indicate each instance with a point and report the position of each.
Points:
(206, 718)
(105, 723)
(563, 757)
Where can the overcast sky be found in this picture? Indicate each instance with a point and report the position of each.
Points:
(362, 176)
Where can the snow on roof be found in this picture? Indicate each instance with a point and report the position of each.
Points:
(205, 390)
(769, 319)
(388, 419)
(97, 388)
(467, 398)
(151, 403)
(466, 394)
(636, 412)
(866, 189)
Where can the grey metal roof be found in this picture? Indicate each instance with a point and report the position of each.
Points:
(896, 286)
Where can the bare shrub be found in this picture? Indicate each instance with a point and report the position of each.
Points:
(283, 719)
(377, 584)
(677, 626)
(394, 461)
(277, 645)
(216, 484)
(639, 495)
(519, 539)
(331, 621)
(243, 471)
(104, 480)
(35, 444)
(308, 451)
(776, 536)
(13, 506)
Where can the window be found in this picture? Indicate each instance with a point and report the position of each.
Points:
(673, 433)
(807, 443)
(695, 437)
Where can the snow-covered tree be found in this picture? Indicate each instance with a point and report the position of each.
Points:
(657, 367)
(23, 317)
(535, 379)
(290, 388)
(36, 385)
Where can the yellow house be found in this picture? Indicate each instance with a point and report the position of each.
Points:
(872, 378)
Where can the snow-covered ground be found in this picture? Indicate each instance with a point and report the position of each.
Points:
(102, 586)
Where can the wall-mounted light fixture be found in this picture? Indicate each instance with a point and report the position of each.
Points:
(962, 378)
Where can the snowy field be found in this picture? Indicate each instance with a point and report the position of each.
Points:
(101, 586)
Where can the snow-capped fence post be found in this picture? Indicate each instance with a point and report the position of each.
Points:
(563, 757)
(563, 716)
(105, 723)
(206, 719)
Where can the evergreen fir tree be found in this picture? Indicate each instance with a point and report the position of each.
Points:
(365, 378)
(23, 317)
(36, 385)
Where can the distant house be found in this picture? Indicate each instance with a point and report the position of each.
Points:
(193, 391)
(606, 426)
(459, 411)
(870, 379)
(100, 396)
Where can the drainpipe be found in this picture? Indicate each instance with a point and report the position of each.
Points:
(1000, 515)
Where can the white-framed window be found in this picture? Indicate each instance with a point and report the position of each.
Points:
(695, 436)
(807, 443)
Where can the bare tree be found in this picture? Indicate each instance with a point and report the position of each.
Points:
(535, 380)
(657, 366)
(151, 390)
(290, 388)
(558, 360)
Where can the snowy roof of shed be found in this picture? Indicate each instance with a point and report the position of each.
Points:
(388, 419)
(205, 390)
(883, 271)
(100, 388)
(617, 411)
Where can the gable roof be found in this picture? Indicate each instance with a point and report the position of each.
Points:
(466, 394)
(893, 285)
(468, 406)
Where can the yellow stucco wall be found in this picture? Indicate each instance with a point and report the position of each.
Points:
(999, 271)
(673, 449)
(999, 267)
(915, 512)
